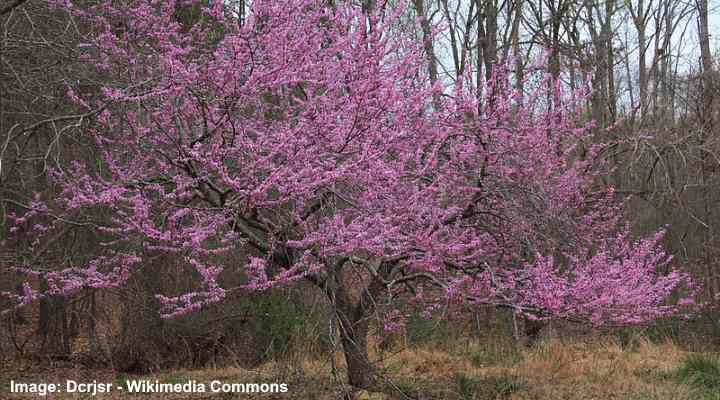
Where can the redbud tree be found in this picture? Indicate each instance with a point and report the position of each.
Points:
(308, 134)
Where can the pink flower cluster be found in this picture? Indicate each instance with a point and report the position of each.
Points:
(303, 137)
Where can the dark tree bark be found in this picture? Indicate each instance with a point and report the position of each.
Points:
(354, 305)
(428, 45)
(353, 334)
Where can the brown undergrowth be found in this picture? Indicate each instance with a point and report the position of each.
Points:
(554, 369)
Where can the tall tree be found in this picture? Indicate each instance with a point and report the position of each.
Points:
(310, 142)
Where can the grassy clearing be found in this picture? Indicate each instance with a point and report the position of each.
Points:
(699, 371)
(554, 369)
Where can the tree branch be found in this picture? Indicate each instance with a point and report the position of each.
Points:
(11, 6)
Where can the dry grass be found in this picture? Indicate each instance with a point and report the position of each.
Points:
(603, 370)
(555, 369)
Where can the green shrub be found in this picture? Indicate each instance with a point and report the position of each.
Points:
(488, 388)
(467, 386)
(505, 385)
(174, 379)
(421, 330)
(276, 320)
(269, 325)
(121, 381)
(701, 371)
(485, 358)
(664, 329)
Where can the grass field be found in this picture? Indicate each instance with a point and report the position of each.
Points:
(554, 369)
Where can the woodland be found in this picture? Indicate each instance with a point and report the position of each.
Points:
(360, 199)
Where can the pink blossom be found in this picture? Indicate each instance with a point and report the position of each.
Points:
(302, 139)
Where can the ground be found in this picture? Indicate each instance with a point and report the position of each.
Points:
(554, 369)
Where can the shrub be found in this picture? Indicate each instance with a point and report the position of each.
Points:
(701, 371)
(492, 387)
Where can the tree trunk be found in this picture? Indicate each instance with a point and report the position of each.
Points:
(489, 43)
(706, 120)
(479, 52)
(704, 36)
(353, 334)
(53, 327)
(640, 25)
(519, 68)
(610, 61)
(426, 27)
(533, 330)
(353, 319)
